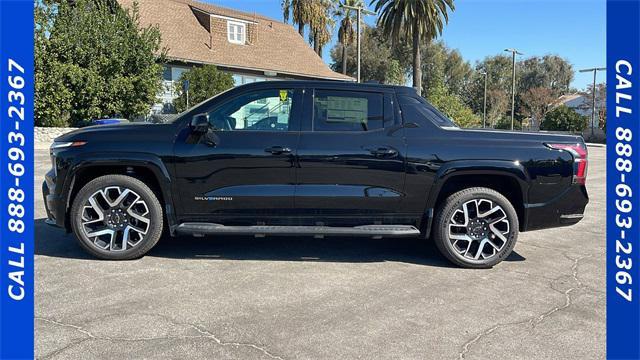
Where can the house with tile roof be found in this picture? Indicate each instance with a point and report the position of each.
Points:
(250, 46)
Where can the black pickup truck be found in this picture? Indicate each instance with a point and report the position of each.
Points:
(314, 159)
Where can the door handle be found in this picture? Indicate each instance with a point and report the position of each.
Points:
(384, 152)
(278, 150)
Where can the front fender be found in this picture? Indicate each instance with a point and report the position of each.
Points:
(148, 161)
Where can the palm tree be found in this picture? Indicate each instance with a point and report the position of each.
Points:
(300, 9)
(321, 23)
(415, 19)
(316, 14)
(346, 33)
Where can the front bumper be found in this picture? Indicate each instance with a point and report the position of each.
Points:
(53, 204)
(564, 210)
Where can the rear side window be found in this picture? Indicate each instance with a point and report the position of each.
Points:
(417, 109)
(347, 111)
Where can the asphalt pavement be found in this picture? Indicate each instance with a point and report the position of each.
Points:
(332, 298)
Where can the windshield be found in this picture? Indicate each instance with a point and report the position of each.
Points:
(197, 106)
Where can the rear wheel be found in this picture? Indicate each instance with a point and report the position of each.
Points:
(116, 217)
(476, 228)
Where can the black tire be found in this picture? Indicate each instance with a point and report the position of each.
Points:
(454, 203)
(154, 227)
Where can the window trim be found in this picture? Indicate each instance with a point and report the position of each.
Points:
(230, 24)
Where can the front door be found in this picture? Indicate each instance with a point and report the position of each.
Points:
(243, 171)
(351, 157)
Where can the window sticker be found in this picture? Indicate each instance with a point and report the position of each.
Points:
(284, 95)
(347, 109)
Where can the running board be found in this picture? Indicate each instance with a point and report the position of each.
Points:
(376, 231)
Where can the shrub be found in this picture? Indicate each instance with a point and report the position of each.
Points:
(564, 118)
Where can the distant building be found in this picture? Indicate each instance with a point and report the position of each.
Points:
(582, 103)
(251, 47)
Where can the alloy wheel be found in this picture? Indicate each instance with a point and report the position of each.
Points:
(479, 229)
(115, 218)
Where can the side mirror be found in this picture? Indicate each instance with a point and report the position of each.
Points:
(200, 123)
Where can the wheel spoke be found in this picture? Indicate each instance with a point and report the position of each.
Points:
(480, 248)
(123, 195)
(140, 217)
(499, 233)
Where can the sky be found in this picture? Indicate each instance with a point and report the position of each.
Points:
(573, 29)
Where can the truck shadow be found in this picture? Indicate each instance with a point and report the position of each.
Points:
(54, 242)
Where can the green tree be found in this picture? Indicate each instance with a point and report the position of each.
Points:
(563, 118)
(93, 60)
(451, 105)
(204, 82)
(418, 20)
(549, 72)
(498, 69)
(379, 62)
(536, 102)
(442, 65)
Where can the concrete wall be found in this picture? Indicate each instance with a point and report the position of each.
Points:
(43, 136)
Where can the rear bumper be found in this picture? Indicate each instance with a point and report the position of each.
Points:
(564, 210)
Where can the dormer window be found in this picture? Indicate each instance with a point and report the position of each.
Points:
(236, 32)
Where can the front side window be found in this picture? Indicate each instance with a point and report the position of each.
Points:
(236, 32)
(347, 111)
(263, 110)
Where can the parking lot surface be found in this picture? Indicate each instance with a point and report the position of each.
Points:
(333, 298)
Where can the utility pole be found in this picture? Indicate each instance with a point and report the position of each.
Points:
(593, 100)
(513, 52)
(359, 11)
(484, 112)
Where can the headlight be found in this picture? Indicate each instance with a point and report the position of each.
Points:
(66, 144)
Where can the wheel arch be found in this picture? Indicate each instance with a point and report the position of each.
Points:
(506, 177)
(145, 167)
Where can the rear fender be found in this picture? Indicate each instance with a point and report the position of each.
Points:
(450, 170)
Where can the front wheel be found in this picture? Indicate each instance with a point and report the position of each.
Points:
(476, 228)
(116, 217)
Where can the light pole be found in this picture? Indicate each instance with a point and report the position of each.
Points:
(593, 100)
(484, 111)
(513, 52)
(359, 10)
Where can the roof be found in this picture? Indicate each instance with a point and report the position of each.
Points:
(338, 85)
(279, 48)
(571, 100)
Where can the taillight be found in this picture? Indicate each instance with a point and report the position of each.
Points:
(579, 152)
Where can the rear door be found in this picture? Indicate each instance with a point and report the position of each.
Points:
(351, 156)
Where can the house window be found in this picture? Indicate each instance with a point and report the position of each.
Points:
(236, 32)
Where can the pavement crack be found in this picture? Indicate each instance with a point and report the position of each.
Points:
(204, 334)
(207, 334)
(534, 320)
